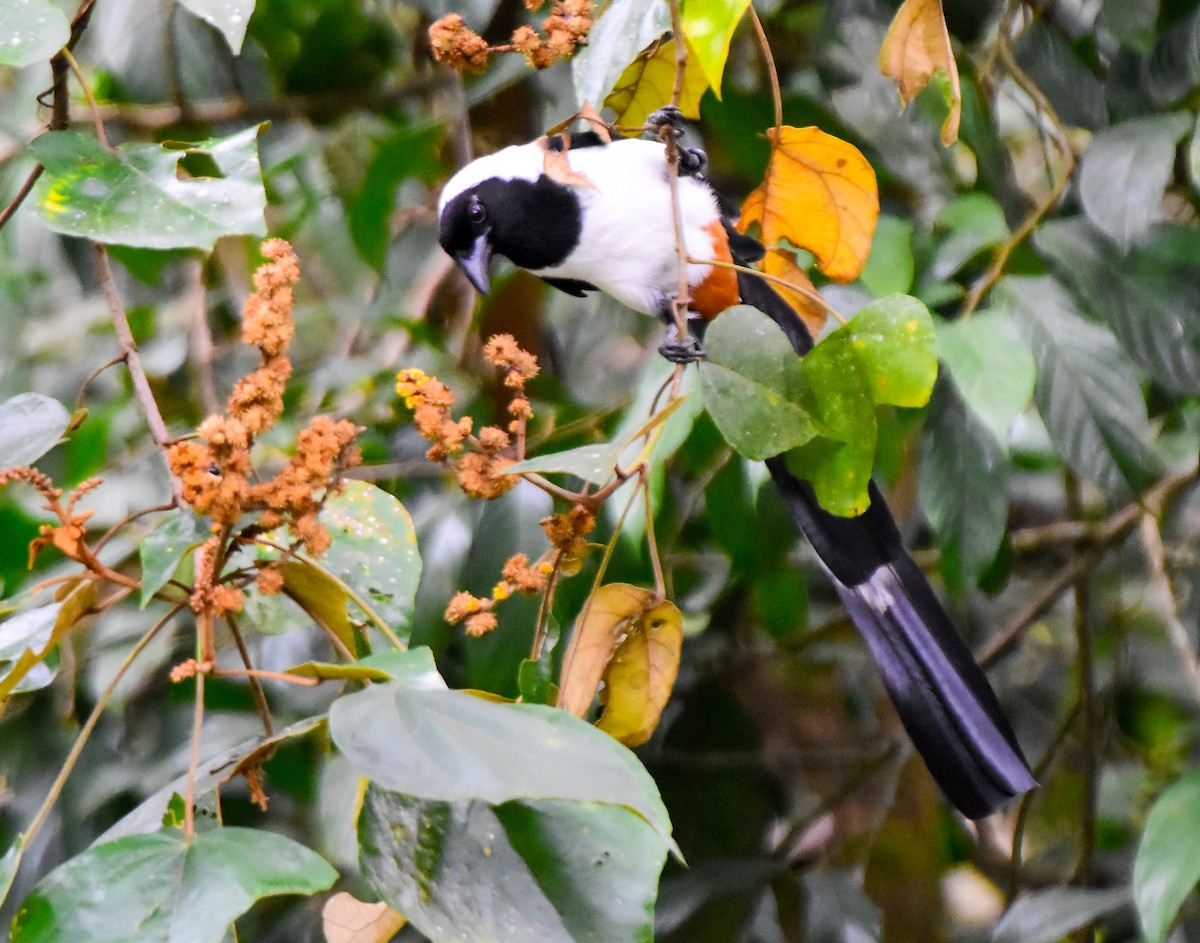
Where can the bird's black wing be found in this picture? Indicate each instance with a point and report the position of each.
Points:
(572, 286)
(942, 696)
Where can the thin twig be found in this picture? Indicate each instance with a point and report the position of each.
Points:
(101, 134)
(539, 632)
(667, 135)
(189, 799)
(256, 688)
(141, 383)
(772, 72)
(1089, 741)
(26, 189)
(660, 582)
(1160, 583)
(201, 339)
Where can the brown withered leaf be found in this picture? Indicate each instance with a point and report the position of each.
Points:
(641, 675)
(916, 47)
(346, 919)
(557, 167)
(602, 626)
(819, 194)
(782, 264)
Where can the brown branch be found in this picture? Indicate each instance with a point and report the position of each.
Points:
(769, 59)
(141, 384)
(256, 688)
(189, 799)
(1160, 583)
(26, 189)
(1086, 656)
(200, 347)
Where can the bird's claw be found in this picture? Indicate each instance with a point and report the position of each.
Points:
(668, 116)
(678, 349)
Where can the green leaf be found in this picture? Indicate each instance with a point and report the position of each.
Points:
(1150, 297)
(1125, 171)
(9, 864)
(1166, 867)
(27, 638)
(551, 871)
(624, 29)
(1088, 391)
(708, 26)
(30, 426)
(161, 552)
(135, 197)
(164, 887)
(449, 746)
(890, 265)
(414, 668)
(895, 342)
(752, 384)
(991, 366)
(229, 17)
(320, 596)
(33, 31)
(592, 463)
(971, 223)
(1051, 914)
(374, 551)
(535, 684)
(649, 81)
(963, 480)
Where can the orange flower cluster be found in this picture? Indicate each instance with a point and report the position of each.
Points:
(216, 472)
(520, 576)
(481, 472)
(209, 596)
(566, 29)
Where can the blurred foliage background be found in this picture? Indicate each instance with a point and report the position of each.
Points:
(1047, 488)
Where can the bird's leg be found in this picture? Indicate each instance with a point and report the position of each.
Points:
(685, 349)
(692, 160)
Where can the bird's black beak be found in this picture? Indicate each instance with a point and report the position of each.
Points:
(474, 263)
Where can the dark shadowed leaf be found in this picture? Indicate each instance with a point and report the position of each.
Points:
(534, 870)
(33, 31)
(148, 888)
(1124, 172)
(30, 426)
(1088, 391)
(229, 17)
(161, 552)
(963, 485)
(1150, 297)
(1049, 915)
(450, 746)
(1167, 868)
(134, 196)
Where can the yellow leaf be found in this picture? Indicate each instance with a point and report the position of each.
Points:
(819, 194)
(916, 46)
(641, 675)
(782, 264)
(349, 920)
(602, 626)
(708, 26)
(77, 598)
(649, 81)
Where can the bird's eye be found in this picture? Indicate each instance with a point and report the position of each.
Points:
(476, 211)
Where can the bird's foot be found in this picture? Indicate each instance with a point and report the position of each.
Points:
(678, 349)
(668, 116)
(692, 160)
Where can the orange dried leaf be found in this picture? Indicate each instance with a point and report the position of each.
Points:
(641, 676)
(917, 45)
(347, 919)
(819, 194)
(558, 168)
(601, 627)
(782, 264)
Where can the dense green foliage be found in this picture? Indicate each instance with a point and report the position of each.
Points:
(1047, 487)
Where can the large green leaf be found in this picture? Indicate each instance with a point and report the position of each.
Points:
(969, 224)
(708, 26)
(32, 30)
(895, 342)
(1088, 391)
(229, 17)
(991, 366)
(163, 550)
(1124, 172)
(450, 746)
(1049, 915)
(374, 551)
(1150, 297)
(1167, 867)
(134, 196)
(165, 888)
(550, 871)
(963, 477)
(752, 384)
(30, 426)
(9, 864)
(624, 29)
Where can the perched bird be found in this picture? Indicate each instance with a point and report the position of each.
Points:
(588, 214)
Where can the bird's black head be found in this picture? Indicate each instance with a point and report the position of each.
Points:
(532, 220)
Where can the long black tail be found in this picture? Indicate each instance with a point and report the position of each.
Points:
(941, 694)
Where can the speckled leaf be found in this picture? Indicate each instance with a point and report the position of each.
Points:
(374, 551)
(230, 17)
(31, 31)
(551, 871)
(894, 341)
(176, 534)
(165, 888)
(30, 426)
(135, 196)
(1167, 867)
